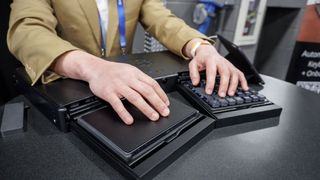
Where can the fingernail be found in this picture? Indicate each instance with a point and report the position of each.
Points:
(129, 121)
(222, 94)
(154, 116)
(166, 112)
(231, 93)
(209, 91)
(193, 82)
(168, 103)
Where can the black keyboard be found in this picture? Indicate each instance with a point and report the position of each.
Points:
(244, 106)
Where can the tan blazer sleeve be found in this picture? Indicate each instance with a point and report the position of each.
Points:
(32, 37)
(166, 27)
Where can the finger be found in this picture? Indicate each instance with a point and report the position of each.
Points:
(151, 82)
(224, 79)
(233, 83)
(194, 73)
(211, 73)
(152, 97)
(119, 108)
(243, 81)
(135, 98)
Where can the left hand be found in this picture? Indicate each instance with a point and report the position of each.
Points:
(207, 58)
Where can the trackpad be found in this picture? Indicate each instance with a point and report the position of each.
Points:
(135, 141)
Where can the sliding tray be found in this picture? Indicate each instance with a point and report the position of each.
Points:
(132, 143)
(143, 149)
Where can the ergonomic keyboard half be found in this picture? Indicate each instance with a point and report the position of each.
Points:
(244, 106)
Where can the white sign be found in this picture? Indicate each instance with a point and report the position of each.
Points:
(249, 21)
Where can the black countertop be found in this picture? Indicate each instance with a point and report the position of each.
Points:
(266, 149)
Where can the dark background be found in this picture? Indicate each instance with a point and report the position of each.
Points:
(7, 62)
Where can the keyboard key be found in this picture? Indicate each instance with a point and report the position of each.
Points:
(254, 98)
(223, 102)
(239, 100)
(188, 85)
(239, 93)
(199, 94)
(231, 101)
(200, 89)
(261, 97)
(214, 103)
(253, 91)
(205, 99)
(203, 83)
(215, 95)
(247, 99)
(247, 93)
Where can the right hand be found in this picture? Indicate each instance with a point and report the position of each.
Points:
(112, 81)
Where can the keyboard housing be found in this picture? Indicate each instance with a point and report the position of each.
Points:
(244, 106)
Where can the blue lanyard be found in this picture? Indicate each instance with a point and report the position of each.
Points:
(122, 26)
(122, 29)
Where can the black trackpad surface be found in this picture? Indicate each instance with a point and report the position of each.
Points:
(134, 141)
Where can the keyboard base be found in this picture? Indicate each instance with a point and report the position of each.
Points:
(246, 115)
(233, 116)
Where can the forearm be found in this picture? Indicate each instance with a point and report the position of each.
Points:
(77, 65)
(170, 30)
(32, 37)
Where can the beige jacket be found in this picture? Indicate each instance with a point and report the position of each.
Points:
(41, 30)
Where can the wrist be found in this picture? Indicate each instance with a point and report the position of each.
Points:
(193, 45)
(77, 64)
(89, 67)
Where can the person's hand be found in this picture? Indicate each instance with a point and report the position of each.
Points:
(112, 81)
(207, 58)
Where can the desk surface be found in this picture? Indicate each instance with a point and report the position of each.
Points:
(288, 150)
